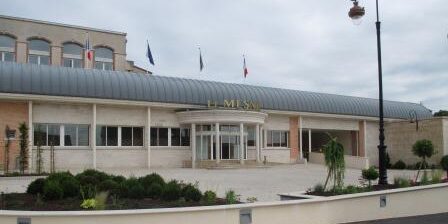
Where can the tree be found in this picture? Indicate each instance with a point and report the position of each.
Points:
(423, 149)
(441, 113)
(444, 164)
(23, 129)
(334, 160)
(370, 175)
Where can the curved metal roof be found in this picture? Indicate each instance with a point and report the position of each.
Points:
(91, 83)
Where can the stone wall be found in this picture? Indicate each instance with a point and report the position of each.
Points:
(401, 136)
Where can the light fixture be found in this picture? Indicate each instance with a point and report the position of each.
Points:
(356, 13)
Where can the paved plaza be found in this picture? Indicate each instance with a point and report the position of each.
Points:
(262, 183)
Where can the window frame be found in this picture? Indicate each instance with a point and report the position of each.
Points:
(72, 57)
(104, 61)
(38, 53)
(11, 50)
(270, 136)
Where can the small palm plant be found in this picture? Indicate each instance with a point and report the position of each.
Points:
(334, 160)
(423, 149)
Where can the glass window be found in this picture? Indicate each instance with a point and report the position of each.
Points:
(54, 134)
(185, 137)
(112, 136)
(175, 136)
(72, 55)
(70, 135)
(83, 135)
(38, 52)
(107, 136)
(269, 139)
(103, 58)
(40, 134)
(250, 136)
(277, 139)
(126, 136)
(137, 136)
(154, 136)
(163, 137)
(7, 48)
(76, 135)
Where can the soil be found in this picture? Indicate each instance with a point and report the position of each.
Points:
(28, 202)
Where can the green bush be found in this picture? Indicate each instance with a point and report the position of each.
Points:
(399, 165)
(444, 164)
(150, 179)
(92, 177)
(118, 179)
(209, 197)
(402, 182)
(136, 191)
(423, 165)
(370, 175)
(436, 176)
(110, 186)
(53, 190)
(191, 193)
(231, 197)
(171, 191)
(36, 187)
(70, 187)
(125, 187)
(319, 188)
(59, 176)
(154, 191)
(350, 189)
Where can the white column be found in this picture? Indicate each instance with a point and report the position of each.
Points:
(193, 145)
(300, 138)
(148, 137)
(93, 135)
(309, 142)
(217, 144)
(241, 143)
(30, 136)
(257, 141)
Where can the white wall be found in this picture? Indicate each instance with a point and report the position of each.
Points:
(277, 122)
(121, 158)
(62, 113)
(163, 118)
(133, 116)
(169, 157)
(276, 155)
(329, 124)
(66, 159)
(372, 142)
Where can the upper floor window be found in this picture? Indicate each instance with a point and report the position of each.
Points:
(103, 58)
(39, 52)
(7, 48)
(72, 55)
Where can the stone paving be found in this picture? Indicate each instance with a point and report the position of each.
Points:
(262, 183)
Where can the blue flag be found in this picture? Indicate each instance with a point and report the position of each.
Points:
(201, 63)
(149, 55)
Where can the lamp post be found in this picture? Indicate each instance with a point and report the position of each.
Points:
(356, 13)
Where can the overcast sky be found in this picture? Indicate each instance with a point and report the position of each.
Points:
(295, 44)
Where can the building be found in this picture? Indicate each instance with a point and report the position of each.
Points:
(94, 117)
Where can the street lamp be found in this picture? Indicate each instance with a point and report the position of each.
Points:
(356, 13)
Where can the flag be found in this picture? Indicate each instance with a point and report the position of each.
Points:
(88, 48)
(201, 63)
(245, 71)
(149, 55)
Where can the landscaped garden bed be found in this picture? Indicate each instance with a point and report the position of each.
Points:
(95, 190)
(334, 160)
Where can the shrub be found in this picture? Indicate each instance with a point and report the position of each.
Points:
(171, 191)
(399, 165)
(444, 164)
(53, 190)
(150, 179)
(251, 199)
(319, 188)
(88, 203)
(154, 191)
(36, 187)
(70, 187)
(209, 197)
(191, 193)
(436, 176)
(231, 197)
(350, 189)
(118, 179)
(92, 177)
(402, 182)
(132, 188)
(370, 175)
(422, 165)
(423, 149)
(110, 186)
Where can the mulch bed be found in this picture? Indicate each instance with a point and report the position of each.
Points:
(30, 202)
